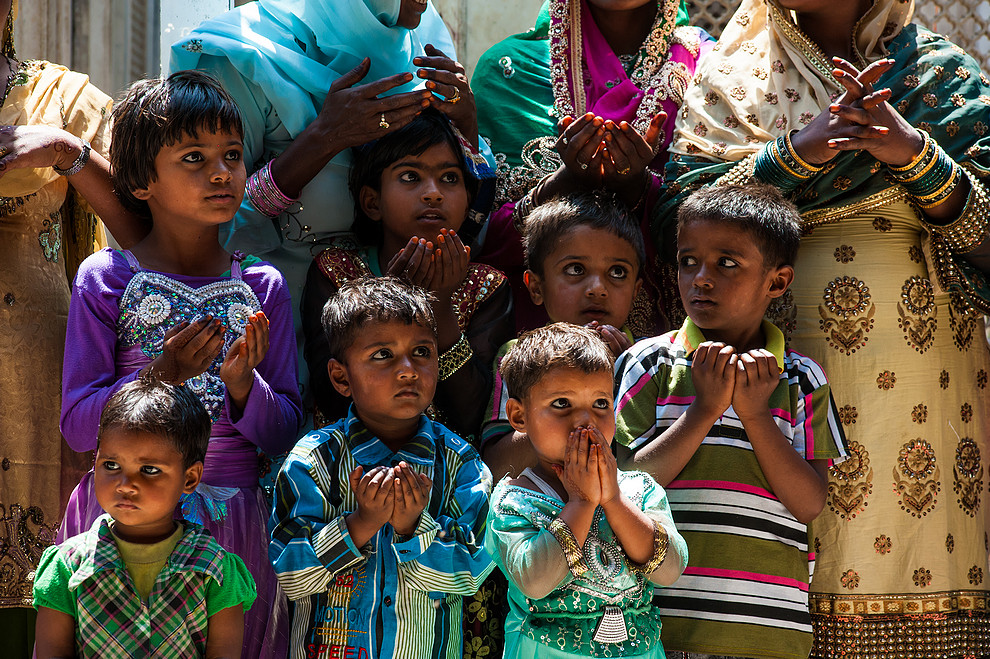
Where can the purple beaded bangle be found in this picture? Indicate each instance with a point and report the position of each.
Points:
(265, 195)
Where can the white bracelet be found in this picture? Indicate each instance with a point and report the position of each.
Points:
(78, 164)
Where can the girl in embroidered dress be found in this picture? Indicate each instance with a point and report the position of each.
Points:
(581, 543)
(178, 306)
(412, 191)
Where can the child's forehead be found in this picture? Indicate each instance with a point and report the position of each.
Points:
(590, 241)
(137, 444)
(704, 232)
(574, 379)
(378, 330)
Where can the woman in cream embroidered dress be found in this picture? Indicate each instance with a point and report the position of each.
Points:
(46, 230)
(887, 295)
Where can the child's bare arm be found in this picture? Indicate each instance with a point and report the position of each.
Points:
(632, 528)
(55, 634)
(796, 482)
(225, 633)
(713, 374)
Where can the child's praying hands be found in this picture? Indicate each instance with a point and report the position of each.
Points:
(375, 493)
(412, 493)
(244, 355)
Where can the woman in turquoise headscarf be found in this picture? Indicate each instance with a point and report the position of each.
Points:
(313, 78)
(598, 73)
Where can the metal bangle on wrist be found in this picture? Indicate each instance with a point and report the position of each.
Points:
(78, 164)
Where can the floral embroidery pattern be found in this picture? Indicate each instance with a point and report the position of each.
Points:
(915, 254)
(916, 478)
(844, 253)
(792, 95)
(848, 414)
(806, 118)
(850, 579)
(917, 313)
(731, 121)
(981, 379)
(962, 322)
(976, 575)
(711, 98)
(700, 129)
(771, 98)
(952, 128)
(850, 482)
(886, 380)
(922, 577)
(943, 379)
(882, 545)
(841, 182)
(930, 100)
(881, 224)
(950, 543)
(920, 413)
(968, 476)
(966, 412)
(847, 314)
(50, 237)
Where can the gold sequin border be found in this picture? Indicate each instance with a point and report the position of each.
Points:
(887, 605)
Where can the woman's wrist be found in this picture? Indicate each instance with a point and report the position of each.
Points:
(72, 154)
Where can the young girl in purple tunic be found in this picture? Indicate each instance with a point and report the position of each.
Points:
(180, 307)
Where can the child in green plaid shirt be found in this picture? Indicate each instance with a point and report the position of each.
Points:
(138, 583)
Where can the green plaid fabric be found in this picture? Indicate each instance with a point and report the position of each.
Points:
(113, 621)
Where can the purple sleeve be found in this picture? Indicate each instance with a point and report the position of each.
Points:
(271, 418)
(89, 366)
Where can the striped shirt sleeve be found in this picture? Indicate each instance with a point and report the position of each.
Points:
(310, 542)
(638, 376)
(447, 554)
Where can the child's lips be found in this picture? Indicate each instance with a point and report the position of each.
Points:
(407, 393)
(125, 504)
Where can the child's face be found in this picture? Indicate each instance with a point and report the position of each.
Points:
(590, 275)
(419, 195)
(390, 371)
(562, 400)
(724, 284)
(138, 478)
(200, 180)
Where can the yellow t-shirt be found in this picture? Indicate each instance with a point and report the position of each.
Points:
(144, 562)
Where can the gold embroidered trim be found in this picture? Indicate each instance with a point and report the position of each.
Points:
(829, 215)
(808, 48)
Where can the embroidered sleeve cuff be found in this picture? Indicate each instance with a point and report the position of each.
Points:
(572, 552)
(659, 552)
(409, 548)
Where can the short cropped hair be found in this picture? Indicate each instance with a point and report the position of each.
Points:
(556, 345)
(157, 113)
(429, 128)
(170, 411)
(759, 209)
(373, 300)
(549, 222)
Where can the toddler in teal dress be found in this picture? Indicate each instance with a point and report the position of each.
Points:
(581, 543)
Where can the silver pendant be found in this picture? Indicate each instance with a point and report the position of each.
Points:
(612, 627)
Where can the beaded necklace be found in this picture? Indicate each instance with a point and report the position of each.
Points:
(567, 62)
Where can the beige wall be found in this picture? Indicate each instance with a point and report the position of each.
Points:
(477, 24)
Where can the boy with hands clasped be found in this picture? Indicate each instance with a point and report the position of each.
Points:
(581, 543)
(379, 520)
(737, 428)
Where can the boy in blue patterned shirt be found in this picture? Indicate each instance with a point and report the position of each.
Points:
(379, 519)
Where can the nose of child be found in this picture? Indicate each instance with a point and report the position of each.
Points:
(125, 485)
(596, 286)
(431, 192)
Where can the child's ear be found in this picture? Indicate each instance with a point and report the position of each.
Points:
(516, 413)
(639, 285)
(339, 377)
(193, 476)
(144, 194)
(780, 280)
(534, 285)
(368, 199)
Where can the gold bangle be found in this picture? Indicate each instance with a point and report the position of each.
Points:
(919, 159)
(934, 199)
(794, 154)
(660, 539)
(457, 356)
(572, 552)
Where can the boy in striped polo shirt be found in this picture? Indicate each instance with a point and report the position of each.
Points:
(738, 429)
(378, 528)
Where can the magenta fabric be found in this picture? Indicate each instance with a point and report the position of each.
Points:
(96, 366)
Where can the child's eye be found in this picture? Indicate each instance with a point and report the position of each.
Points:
(409, 177)
(688, 261)
(150, 470)
(451, 178)
(574, 269)
(110, 465)
(602, 404)
(384, 353)
(726, 262)
(194, 156)
(422, 351)
(560, 403)
(233, 154)
(618, 272)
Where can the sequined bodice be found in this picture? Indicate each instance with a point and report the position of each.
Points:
(153, 303)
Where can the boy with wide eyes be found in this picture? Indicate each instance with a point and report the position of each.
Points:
(737, 428)
(379, 521)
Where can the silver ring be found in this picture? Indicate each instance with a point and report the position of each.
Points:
(584, 165)
(563, 140)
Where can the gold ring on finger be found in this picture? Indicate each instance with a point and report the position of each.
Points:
(383, 123)
(624, 171)
(456, 97)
